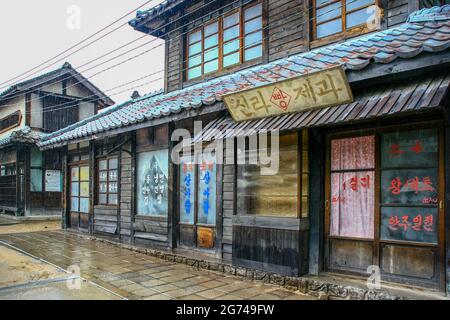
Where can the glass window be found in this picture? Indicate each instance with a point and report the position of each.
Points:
(206, 195)
(230, 33)
(410, 186)
(152, 183)
(328, 15)
(79, 189)
(187, 190)
(352, 187)
(275, 193)
(107, 181)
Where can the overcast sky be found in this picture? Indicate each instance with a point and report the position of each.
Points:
(34, 31)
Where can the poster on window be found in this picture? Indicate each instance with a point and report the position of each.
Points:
(187, 190)
(409, 186)
(352, 187)
(352, 204)
(207, 190)
(152, 183)
(417, 148)
(53, 181)
(418, 224)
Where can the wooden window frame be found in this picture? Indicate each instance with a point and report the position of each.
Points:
(107, 181)
(78, 165)
(377, 241)
(346, 33)
(241, 37)
(302, 139)
(17, 113)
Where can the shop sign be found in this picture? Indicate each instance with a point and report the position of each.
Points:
(320, 89)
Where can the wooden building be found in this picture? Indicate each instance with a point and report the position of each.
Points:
(31, 180)
(360, 184)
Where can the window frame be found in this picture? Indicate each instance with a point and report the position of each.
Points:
(377, 132)
(196, 205)
(302, 148)
(15, 124)
(221, 68)
(345, 33)
(107, 181)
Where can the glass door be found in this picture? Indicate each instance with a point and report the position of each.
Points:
(197, 202)
(79, 197)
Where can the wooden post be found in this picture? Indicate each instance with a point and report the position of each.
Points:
(316, 152)
(64, 199)
(133, 186)
(91, 186)
(447, 196)
(172, 195)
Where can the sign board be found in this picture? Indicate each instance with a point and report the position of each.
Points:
(53, 181)
(205, 237)
(320, 89)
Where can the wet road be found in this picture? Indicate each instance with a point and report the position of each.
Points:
(134, 275)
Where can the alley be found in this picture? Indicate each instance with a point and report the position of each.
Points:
(133, 275)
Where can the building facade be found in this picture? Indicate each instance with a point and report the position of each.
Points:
(31, 180)
(360, 184)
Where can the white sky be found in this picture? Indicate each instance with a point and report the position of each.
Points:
(34, 31)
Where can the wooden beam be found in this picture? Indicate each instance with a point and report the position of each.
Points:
(316, 150)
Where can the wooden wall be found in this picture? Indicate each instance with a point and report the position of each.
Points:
(288, 32)
(228, 205)
(397, 11)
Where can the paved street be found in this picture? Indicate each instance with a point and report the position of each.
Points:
(136, 276)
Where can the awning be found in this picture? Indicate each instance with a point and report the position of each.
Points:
(408, 96)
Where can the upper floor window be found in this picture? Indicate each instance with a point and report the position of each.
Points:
(230, 40)
(333, 17)
(11, 121)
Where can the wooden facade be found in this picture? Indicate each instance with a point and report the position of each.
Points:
(289, 244)
(32, 179)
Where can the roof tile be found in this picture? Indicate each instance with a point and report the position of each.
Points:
(421, 33)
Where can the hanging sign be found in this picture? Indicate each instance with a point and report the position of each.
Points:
(320, 89)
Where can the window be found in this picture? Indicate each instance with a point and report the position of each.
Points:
(409, 186)
(281, 194)
(152, 183)
(108, 181)
(232, 39)
(352, 187)
(198, 191)
(333, 17)
(79, 189)
(11, 121)
(36, 171)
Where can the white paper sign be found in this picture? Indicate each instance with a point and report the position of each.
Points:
(53, 181)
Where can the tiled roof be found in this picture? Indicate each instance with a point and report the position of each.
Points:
(23, 135)
(410, 96)
(401, 42)
(144, 15)
(53, 76)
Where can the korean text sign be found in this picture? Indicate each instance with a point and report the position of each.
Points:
(316, 90)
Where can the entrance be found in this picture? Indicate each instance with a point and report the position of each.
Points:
(79, 197)
(384, 208)
(197, 203)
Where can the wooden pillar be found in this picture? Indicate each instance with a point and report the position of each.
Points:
(172, 195)
(133, 186)
(91, 186)
(21, 158)
(317, 153)
(66, 191)
(447, 201)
